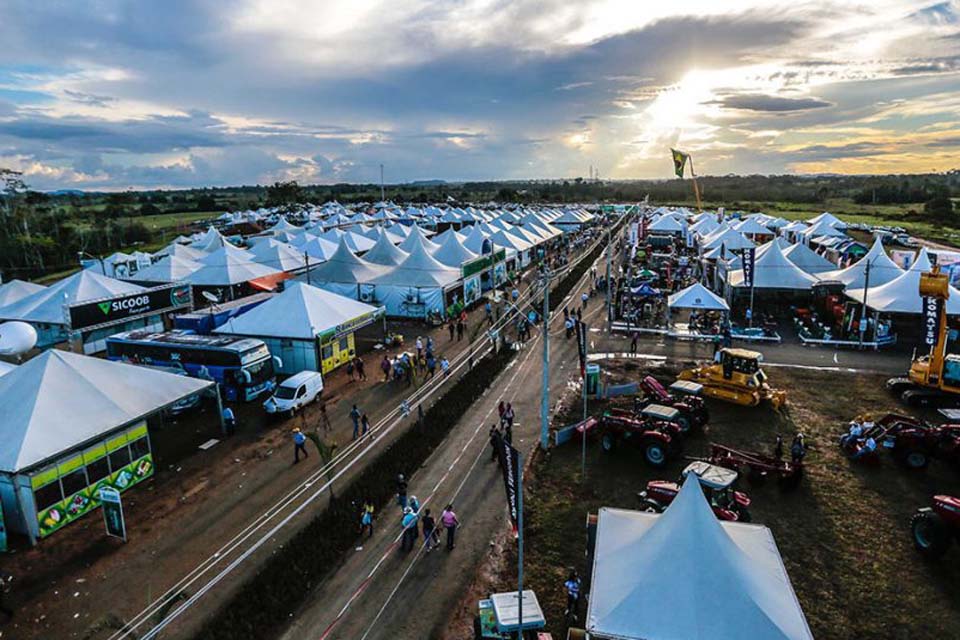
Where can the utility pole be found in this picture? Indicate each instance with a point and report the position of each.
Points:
(863, 310)
(545, 380)
(306, 263)
(382, 198)
(584, 334)
(520, 547)
(609, 255)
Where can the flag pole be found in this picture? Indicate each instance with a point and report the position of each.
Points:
(696, 187)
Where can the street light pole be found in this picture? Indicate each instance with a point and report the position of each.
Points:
(545, 379)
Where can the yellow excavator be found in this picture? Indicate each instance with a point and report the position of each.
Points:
(934, 378)
(735, 376)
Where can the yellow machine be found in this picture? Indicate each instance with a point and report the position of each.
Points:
(736, 377)
(934, 378)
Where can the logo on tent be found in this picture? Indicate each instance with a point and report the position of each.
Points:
(105, 307)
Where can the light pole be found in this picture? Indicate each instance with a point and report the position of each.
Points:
(545, 379)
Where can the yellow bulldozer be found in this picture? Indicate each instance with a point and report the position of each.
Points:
(735, 376)
(934, 377)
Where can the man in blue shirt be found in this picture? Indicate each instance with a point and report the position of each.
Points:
(409, 523)
(572, 585)
(355, 417)
(299, 445)
(229, 421)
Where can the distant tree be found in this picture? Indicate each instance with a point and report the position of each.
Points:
(149, 209)
(939, 206)
(281, 194)
(206, 203)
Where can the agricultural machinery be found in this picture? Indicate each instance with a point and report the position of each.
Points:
(718, 485)
(912, 442)
(684, 396)
(935, 527)
(654, 430)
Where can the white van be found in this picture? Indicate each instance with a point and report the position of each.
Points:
(295, 392)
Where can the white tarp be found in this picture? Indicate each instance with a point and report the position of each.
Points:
(685, 575)
(47, 305)
(902, 294)
(300, 311)
(808, 260)
(773, 270)
(385, 252)
(697, 296)
(60, 400)
(226, 267)
(172, 268)
(15, 290)
(882, 270)
(452, 253)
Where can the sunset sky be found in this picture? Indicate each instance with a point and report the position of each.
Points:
(116, 94)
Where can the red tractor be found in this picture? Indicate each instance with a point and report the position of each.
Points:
(683, 395)
(655, 431)
(718, 486)
(912, 442)
(935, 527)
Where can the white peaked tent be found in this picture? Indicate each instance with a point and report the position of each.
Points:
(344, 272)
(503, 239)
(172, 268)
(730, 238)
(902, 294)
(416, 287)
(226, 268)
(283, 225)
(98, 396)
(822, 229)
(209, 241)
(46, 305)
(773, 270)
(882, 270)
(776, 223)
(475, 239)
(808, 260)
(686, 575)
(829, 219)
(666, 224)
(385, 252)
(452, 253)
(752, 226)
(450, 231)
(705, 226)
(227, 251)
(281, 255)
(415, 237)
(319, 248)
(15, 290)
(697, 296)
(181, 251)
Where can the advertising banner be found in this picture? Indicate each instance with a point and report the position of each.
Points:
(105, 312)
(510, 465)
(749, 259)
(113, 513)
(471, 289)
(932, 311)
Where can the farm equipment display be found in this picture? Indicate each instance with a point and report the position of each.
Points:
(933, 528)
(912, 442)
(737, 378)
(718, 485)
(683, 396)
(757, 466)
(498, 617)
(655, 431)
(934, 378)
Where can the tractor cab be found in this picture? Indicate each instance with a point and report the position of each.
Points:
(743, 363)
(717, 483)
(686, 388)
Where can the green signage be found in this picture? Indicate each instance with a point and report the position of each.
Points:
(113, 513)
(483, 262)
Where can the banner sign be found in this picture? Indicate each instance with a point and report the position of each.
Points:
(471, 289)
(482, 263)
(105, 312)
(112, 507)
(582, 332)
(749, 258)
(510, 465)
(932, 312)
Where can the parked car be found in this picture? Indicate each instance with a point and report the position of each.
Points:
(295, 392)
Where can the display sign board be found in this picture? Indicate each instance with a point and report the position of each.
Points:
(482, 263)
(510, 465)
(749, 258)
(932, 312)
(350, 326)
(113, 513)
(471, 289)
(104, 312)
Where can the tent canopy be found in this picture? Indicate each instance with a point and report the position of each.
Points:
(808, 260)
(97, 395)
(882, 270)
(385, 252)
(773, 270)
(169, 269)
(697, 296)
(902, 294)
(684, 574)
(300, 311)
(46, 305)
(15, 290)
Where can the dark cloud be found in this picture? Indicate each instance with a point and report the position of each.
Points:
(776, 104)
(832, 152)
(945, 143)
(89, 98)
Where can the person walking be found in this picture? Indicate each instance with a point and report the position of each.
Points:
(361, 374)
(229, 421)
(572, 587)
(350, 370)
(409, 523)
(431, 365)
(450, 522)
(355, 415)
(365, 423)
(451, 328)
(431, 535)
(413, 503)
(299, 445)
(385, 366)
(419, 347)
(495, 442)
(459, 330)
(366, 518)
(583, 300)
(509, 415)
(445, 366)
(488, 308)
(429, 345)
(501, 409)
(402, 491)
(324, 418)
(633, 341)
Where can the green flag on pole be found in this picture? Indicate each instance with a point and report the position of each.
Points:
(679, 161)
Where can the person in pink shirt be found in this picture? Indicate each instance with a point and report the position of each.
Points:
(450, 522)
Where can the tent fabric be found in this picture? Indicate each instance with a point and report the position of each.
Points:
(97, 395)
(773, 270)
(684, 574)
(503, 239)
(902, 294)
(822, 229)
(6, 367)
(420, 269)
(829, 219)
(385, 252)
(752, 226)
(181, 251)
(319, 248)
(15, 290)
(280, 255)
(46, 305)
(730, 238)
(417, 236)
(301, 311)
(882, 270)
(225, 268)
(172, 268)
(808, 260)
(452, 253)
(224, 254)
(346, 268)
(475, 239)
(666, 224)
(697, 296)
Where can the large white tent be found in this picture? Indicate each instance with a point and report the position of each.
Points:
(773, 270)
(828, 218)
(666, 224)
(344, 272)
(882, 270)
(280, 255)
(452, 253)
(805, 258)
(385, 252)
(15, 290)
(46, 305)
(902, 294)
(686, 575)
(172, 268)
(731, 239)
(227, 268)
(697, 296)
(415, 287)
(417, 236)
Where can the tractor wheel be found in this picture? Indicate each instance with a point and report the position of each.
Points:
(607, 442)
(685, 423)
(931, 536)
(655, 453)
(651, 506)
(914, 459)
(743, 515)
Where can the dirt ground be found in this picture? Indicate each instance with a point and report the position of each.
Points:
(844, 533)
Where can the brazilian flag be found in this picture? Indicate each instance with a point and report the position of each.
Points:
(679, 161)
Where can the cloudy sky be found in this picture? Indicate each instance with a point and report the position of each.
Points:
(112, 94)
